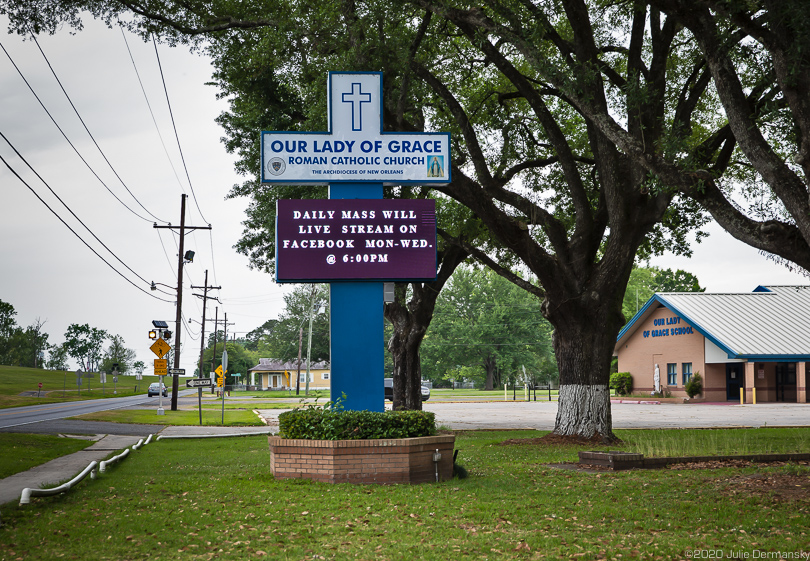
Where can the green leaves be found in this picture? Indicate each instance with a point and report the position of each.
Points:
(325, 423)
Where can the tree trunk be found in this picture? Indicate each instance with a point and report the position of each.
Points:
(489, 367)
(407, 374)
(584, 340)
(411, 321)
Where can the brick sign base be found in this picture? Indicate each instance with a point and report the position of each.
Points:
(383, 461)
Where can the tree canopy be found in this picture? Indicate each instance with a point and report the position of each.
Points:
(584, 132)
(487, 330)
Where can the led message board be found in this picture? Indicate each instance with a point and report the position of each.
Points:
(355, 239)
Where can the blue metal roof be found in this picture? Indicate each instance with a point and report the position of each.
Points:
(771, 323)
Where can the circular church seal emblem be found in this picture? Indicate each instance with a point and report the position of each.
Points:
(276, 166)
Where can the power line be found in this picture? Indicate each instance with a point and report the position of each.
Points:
(75, 233)
(66, 206)
(174, 127)
(81, 120)
(154, 121)
(53, 120)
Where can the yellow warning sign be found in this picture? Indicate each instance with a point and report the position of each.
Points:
(161, 365)
(160, 348)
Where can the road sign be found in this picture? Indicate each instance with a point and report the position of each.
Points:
(225, 360)
(102, 377)
(177, 371)
(161, 365)
(160, 348)
(199, 383)
(219, 370)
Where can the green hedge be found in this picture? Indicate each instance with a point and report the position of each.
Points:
(622, 382)
(315, 423)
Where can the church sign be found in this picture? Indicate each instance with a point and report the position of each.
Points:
(355, 149)
(356, 239)
(341, 239)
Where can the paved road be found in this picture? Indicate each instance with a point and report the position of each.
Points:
(51, 418)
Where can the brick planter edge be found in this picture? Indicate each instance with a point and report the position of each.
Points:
(380, 461)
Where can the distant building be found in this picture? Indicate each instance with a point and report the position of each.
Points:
(750, 341)
(274, 374)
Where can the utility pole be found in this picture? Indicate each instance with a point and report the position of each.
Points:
(179, 316)
(309, 336)
(298, 380)
(204, 296)
(216, 337)
(216, 334)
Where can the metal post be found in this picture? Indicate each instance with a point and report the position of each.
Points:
(160, 410)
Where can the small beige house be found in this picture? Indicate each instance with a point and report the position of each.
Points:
(757, 343)
(274, 374)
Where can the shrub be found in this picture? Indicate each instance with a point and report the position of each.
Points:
(694, 386)
(622, 382)
(316, 423)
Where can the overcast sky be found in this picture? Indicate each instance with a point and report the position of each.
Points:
(48, 273)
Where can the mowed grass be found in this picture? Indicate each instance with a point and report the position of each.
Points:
(59, 386)
(20, 452)
(233, 417)
(216, 499)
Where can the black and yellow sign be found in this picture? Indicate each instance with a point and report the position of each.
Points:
(161, 366)
(220, 376)
(160, 348)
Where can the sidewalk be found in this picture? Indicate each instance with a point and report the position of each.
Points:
(62, 469)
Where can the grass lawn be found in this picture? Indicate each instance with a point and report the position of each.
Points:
(215, 499)
(59, 386)
(210, 416)
(21, 452)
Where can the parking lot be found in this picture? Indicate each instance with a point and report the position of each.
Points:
(541, 415)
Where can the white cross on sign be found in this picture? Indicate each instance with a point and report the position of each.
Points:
(355, 148)
(356, 97)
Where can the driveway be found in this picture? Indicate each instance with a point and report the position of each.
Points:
(540, 415)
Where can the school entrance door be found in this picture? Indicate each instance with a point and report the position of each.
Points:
(735, 379)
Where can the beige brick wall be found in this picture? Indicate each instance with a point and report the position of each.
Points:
(667, 340)
(407, 460)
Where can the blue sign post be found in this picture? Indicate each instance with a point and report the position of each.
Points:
(356, 159)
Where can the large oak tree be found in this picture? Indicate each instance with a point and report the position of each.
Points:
(575, 125)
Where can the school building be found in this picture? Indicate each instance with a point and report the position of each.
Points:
(758, 342)
(274, 374)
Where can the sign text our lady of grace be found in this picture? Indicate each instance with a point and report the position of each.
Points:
(356, 239)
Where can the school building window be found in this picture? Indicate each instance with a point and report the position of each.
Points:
(686, 367)
(325, 376)
(672, 374)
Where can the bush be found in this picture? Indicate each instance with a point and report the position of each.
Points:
(316, 423)
(622, 382)
(694, 386)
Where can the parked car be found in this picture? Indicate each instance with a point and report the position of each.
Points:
(154, 389)
(388, 385)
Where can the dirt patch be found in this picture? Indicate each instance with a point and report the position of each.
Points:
(552, 439)
(778, 487)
